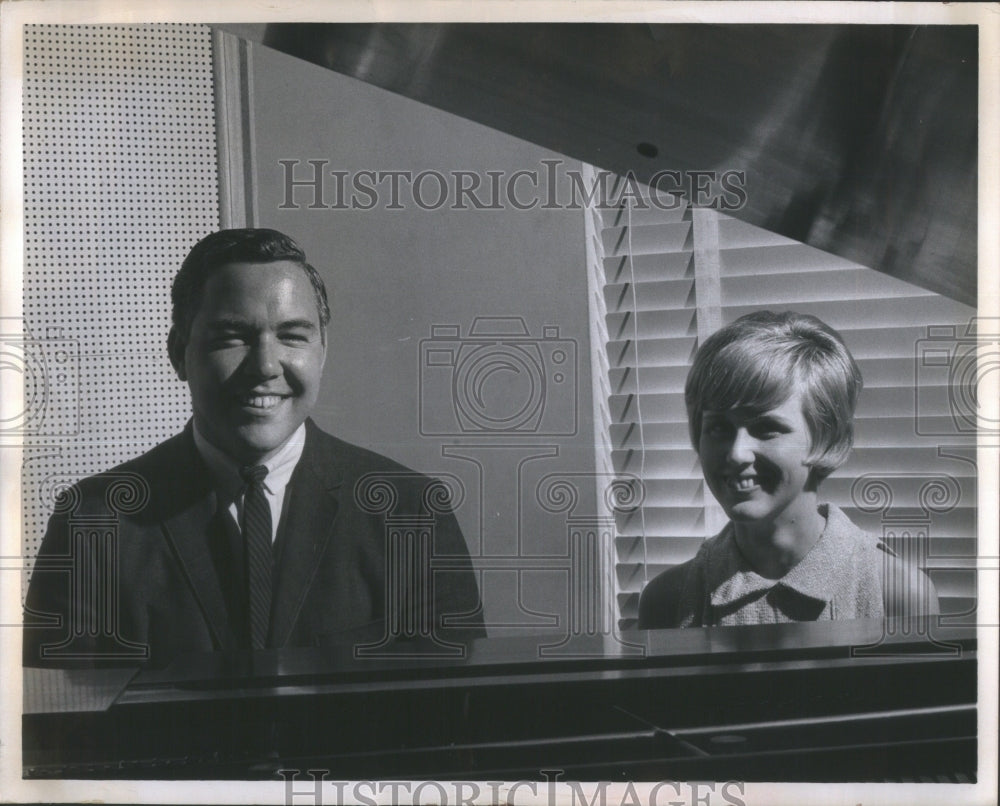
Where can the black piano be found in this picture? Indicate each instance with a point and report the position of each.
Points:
(835, 701)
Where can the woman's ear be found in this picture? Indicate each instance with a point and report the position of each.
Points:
(814, 478)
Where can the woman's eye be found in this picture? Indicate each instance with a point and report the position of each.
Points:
(716, 430)
(766, 431)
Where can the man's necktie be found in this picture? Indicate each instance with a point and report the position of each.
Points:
(257, 541)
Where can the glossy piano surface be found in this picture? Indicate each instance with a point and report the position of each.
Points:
(836, 701)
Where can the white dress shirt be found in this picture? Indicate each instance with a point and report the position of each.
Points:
(229, 486)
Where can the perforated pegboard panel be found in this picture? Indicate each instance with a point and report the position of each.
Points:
(120, 179)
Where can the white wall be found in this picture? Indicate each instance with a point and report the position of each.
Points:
(394, 274)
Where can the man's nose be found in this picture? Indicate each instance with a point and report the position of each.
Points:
(265, 360)
(742, 450)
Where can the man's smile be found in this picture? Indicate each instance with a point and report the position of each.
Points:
(261, 402)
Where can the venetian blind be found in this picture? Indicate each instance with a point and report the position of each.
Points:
(666, 276)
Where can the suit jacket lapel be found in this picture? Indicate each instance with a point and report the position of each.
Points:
(307, 526)
(190, 505)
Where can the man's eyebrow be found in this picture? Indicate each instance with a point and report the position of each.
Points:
(227, 323)
(231, 323)
(305, 324)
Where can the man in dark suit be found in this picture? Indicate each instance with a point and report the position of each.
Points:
(252, 528)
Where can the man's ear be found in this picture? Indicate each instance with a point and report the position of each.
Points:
(175, 349)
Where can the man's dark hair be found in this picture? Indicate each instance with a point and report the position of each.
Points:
(237, 246)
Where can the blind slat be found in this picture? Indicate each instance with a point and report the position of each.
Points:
(648, 296)
(650, 435)
(672, 521)
(651, 352)
(658, 548)
(653, 379)
(646, 239)
(654, 266)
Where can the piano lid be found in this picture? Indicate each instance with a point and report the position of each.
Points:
(860, 140)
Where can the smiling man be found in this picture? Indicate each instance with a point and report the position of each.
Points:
(244, 531)
(252, 356)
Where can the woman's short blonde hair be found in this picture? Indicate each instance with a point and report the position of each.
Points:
(759, 360)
